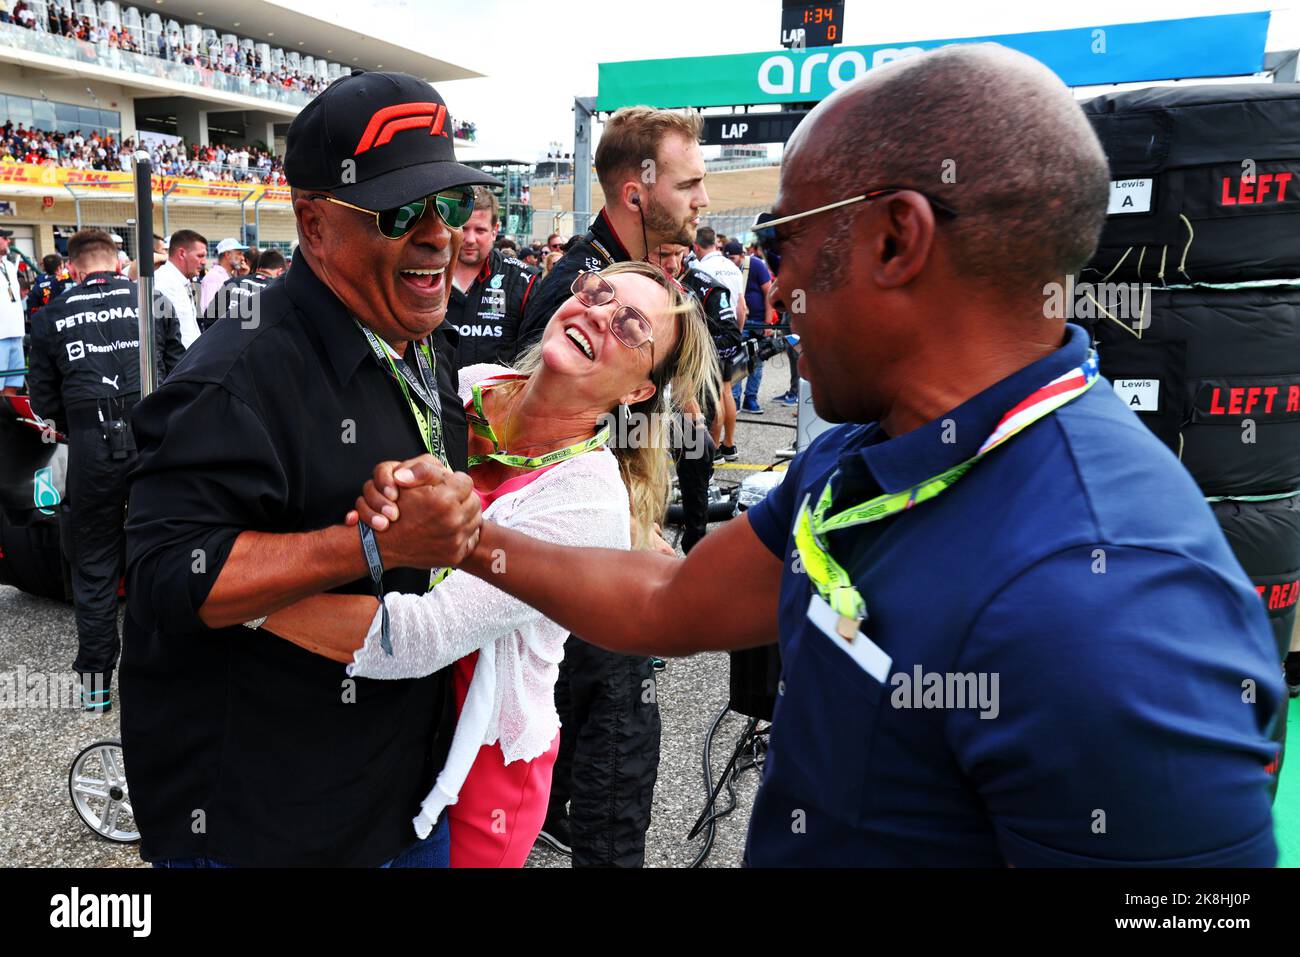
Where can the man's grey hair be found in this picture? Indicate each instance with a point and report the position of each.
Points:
(988, 131)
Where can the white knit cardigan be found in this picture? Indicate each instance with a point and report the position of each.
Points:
(511, 699)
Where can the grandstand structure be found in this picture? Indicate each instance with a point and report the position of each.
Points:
(170, 74)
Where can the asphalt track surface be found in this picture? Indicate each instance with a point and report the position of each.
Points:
(40, 828)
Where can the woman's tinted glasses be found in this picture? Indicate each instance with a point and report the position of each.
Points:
(455, 206)
(765, 224)
(629, 326)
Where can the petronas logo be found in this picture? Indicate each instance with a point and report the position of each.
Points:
(44, 494)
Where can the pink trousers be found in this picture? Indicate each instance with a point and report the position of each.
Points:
(502, 806)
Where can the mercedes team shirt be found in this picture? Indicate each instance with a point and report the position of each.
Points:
(1070, 667)
(486, 316)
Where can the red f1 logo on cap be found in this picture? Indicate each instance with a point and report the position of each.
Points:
(402, 116)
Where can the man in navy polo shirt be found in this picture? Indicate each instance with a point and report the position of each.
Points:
(1011, 631)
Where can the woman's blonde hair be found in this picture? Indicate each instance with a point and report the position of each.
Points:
(687, 373)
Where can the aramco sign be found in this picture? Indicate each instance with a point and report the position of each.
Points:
(776, 74)
(1227, 45)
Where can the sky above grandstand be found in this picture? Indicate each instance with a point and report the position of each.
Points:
(538, 54)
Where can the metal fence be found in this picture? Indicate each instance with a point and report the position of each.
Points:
(266, 226)
(734, 223)
(723, 166)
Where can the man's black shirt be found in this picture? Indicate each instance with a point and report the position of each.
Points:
(273, 428)
(86, 346)
(598, 248)
(487, 314)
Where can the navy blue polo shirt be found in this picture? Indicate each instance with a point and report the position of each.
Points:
(1081, 672)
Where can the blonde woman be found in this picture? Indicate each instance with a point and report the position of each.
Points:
(543, 460)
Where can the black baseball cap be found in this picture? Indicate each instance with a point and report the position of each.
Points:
(377, 140)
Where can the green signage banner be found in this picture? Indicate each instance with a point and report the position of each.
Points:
(1228, 45)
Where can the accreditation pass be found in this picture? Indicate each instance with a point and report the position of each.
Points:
(868, 655)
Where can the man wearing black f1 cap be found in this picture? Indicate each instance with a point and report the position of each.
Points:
(245, 749)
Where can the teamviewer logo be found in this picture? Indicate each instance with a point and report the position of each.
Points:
(76, 350)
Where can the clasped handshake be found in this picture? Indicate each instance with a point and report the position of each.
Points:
(424, 515)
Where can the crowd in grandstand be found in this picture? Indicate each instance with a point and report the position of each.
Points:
(44, 148)
(167, 45)
(200, 162)
(206, 162)
(213, 163)
(216, 163)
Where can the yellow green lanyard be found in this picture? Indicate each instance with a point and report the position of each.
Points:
(479, 423)
(430, 427)
(832, 582)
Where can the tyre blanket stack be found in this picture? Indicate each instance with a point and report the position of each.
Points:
(1193, 300)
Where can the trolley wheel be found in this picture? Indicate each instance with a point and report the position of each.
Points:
(97, 784)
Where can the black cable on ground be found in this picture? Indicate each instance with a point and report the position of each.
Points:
(751, 736)
(758, 752)
(708, 786)
(776, 425)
